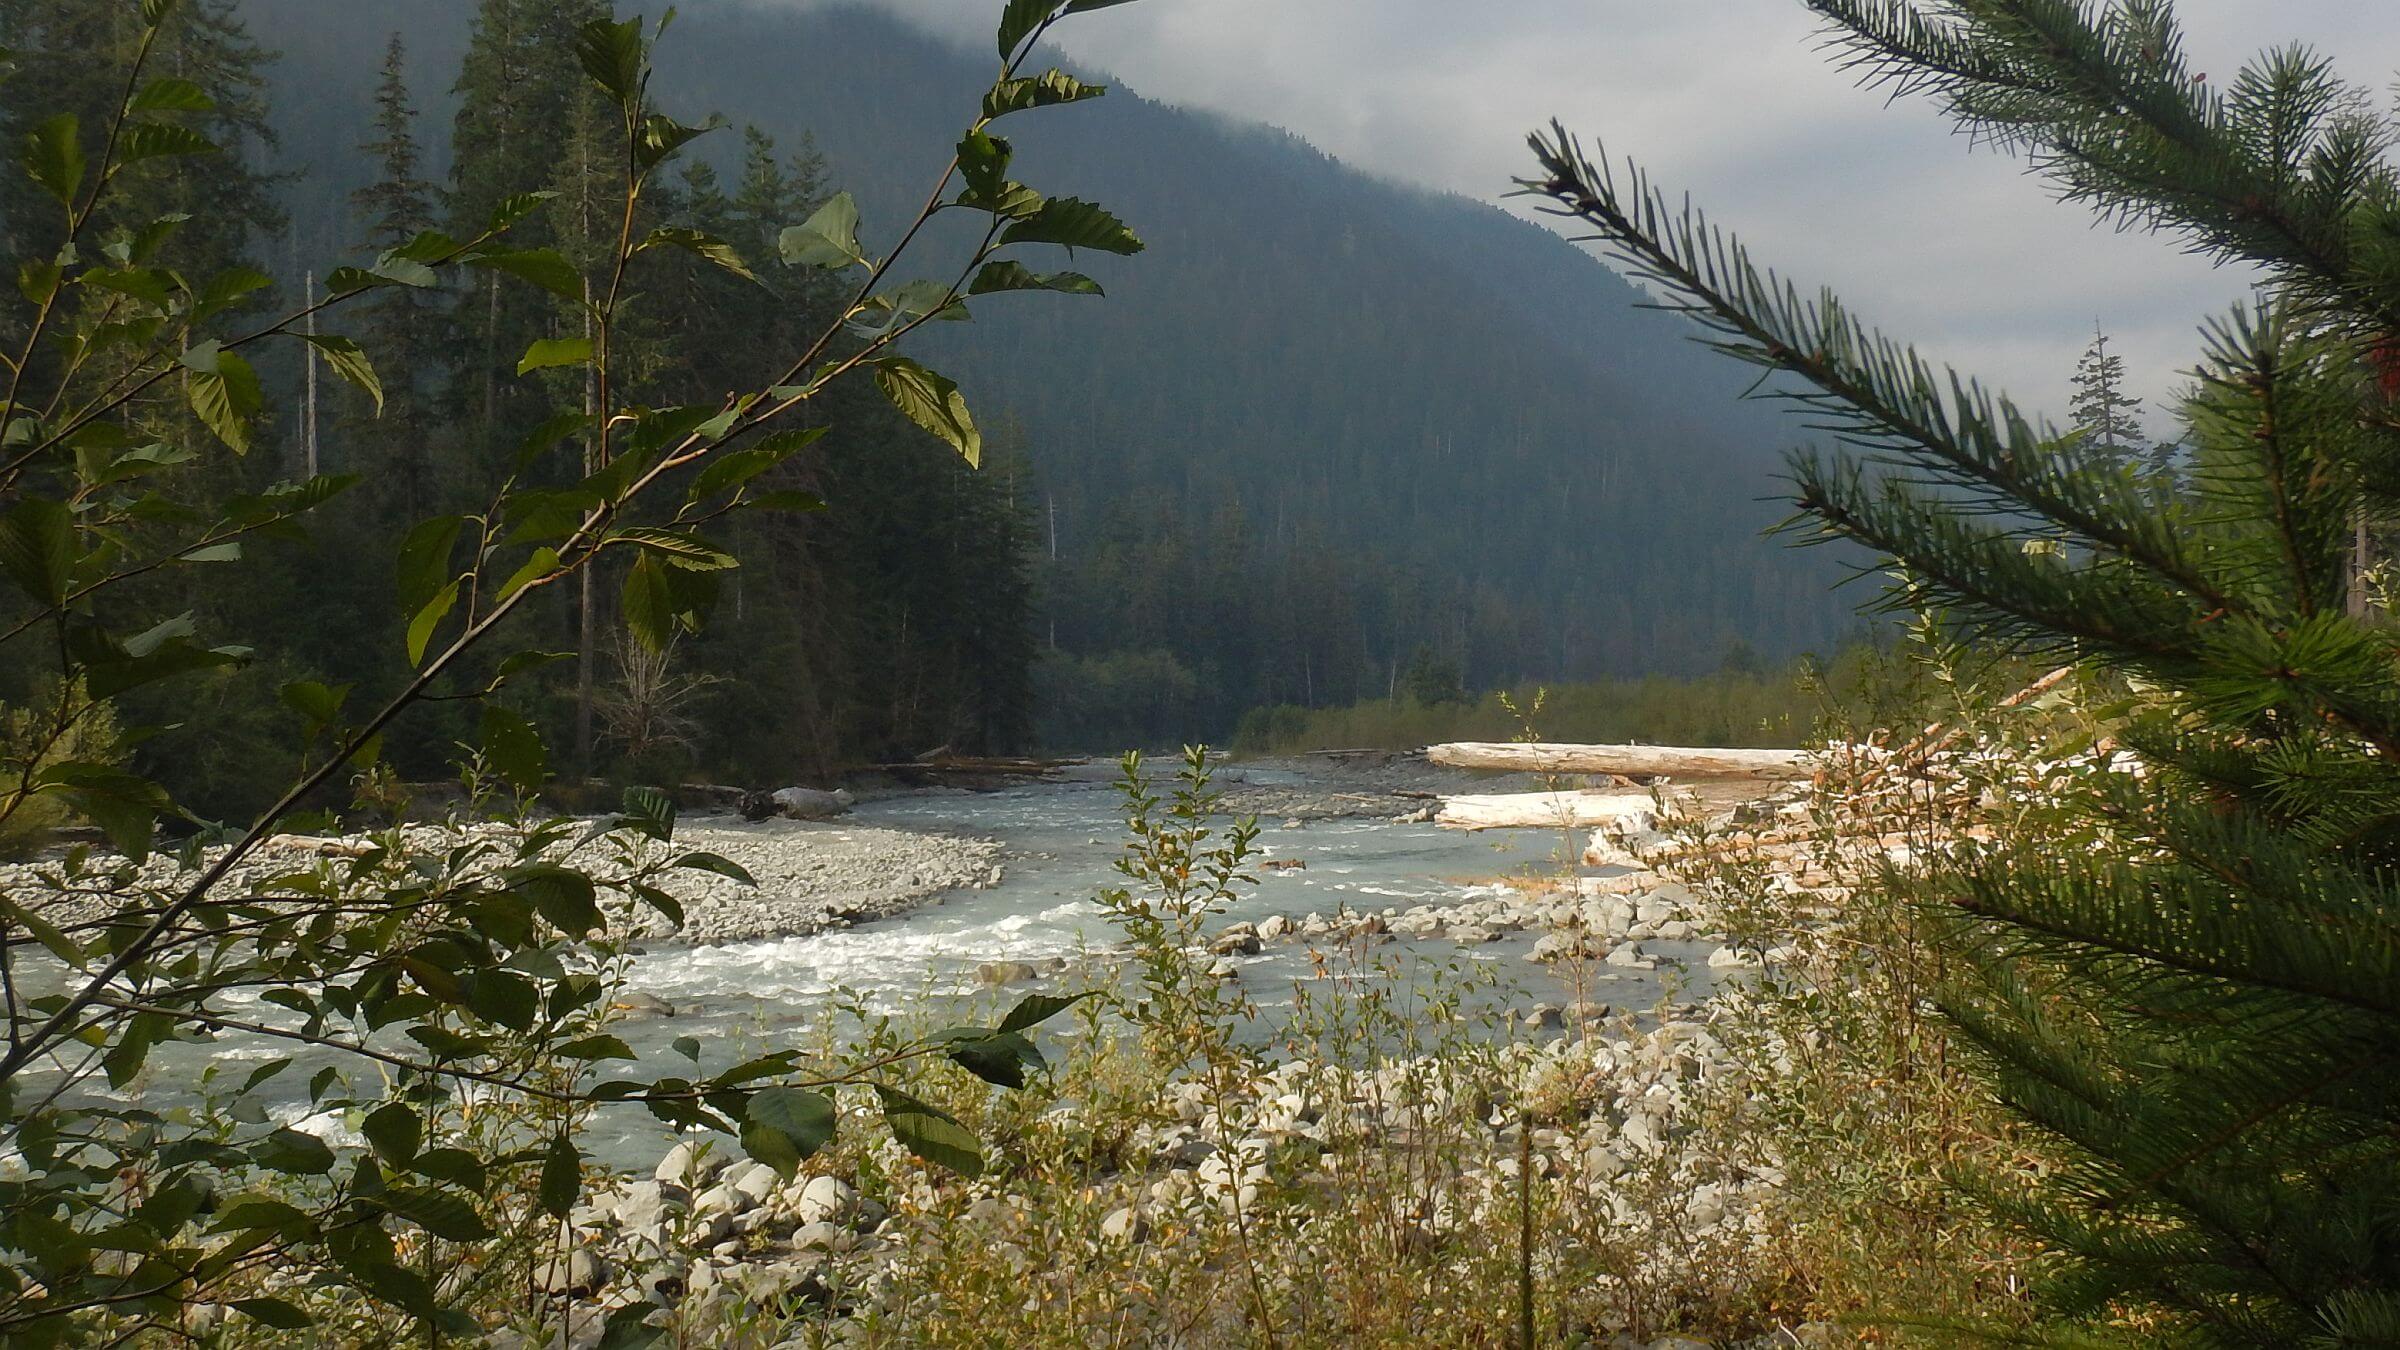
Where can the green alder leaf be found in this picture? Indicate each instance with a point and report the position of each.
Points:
(1035, 1009)
(146, 284)
(661, 136)
(650, 811)
(999, 1057)
(700, 244)
(293, 1153)
(444, 1214)
(400, 269)
(255, 1213)
(736, 467)
(454, 1165)
(550, 353)
(514, 209)
(505, 998)
(317, 703)
(349, 360)
(1007, 275)
(37, 548)
(828, 238)
(628, 1328)
(425, 560)
(274, 1312)
(224, 393)
(157, 140)
(1019, 19)
(1073, 223)
(983, 162)
(1014, 201)
(801, 1120)
(513, 748)
(544, 267)
(540, 563)
(562, 1177)
(718, 864)
(562, 895)
(394, 1131)
(595, 1048)
(930, 1133)
(933, 402)
(123, 804)
(654, 605)
(429, 618)
(227, 289)
(1048, 89)
(677, 549)
(169, 94)
(611, 53)
(54, 156)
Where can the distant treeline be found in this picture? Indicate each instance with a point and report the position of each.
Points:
(1744, 703)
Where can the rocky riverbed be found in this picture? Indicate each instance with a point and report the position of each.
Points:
(811, 876)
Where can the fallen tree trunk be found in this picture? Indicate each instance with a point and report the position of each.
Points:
(1677, 761)
(1544, 810)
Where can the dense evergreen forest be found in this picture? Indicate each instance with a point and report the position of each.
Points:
(1326, 428)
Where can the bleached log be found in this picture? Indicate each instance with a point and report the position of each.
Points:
(1677, 761)
(1544, 810)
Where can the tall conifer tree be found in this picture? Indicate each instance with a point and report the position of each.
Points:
(2187, 979)
(406, 321)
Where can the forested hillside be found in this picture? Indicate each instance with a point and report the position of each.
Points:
(1323, 421)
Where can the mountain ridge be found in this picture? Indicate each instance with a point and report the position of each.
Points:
(1325, 422)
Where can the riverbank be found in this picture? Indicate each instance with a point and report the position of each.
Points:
(812, 876)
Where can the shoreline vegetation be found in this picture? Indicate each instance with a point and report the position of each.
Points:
(1747, 703)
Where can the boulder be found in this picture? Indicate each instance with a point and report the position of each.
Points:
(1239, 940)
(823, 1237)
(687, 1164)
(582, 1272)
(636, 1005)
(1006, 972)
(753, 1181)
(1542, 1016)
(1274, 926)
(801, 803)
(1474, 935)
(827, 1200)
(1126, 1224)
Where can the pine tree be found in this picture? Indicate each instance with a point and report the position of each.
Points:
(519, 91)
(2190, 986)
(405, 322)
(2108, 418)
(82, 51)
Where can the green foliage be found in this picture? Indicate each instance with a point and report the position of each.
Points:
(1781, 707)
(450, 988)
(2179, 972)
(66, 728)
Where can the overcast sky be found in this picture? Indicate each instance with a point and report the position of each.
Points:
(1733, 100)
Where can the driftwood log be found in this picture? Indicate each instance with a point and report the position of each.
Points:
(1632, 760)
(1544, 810)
